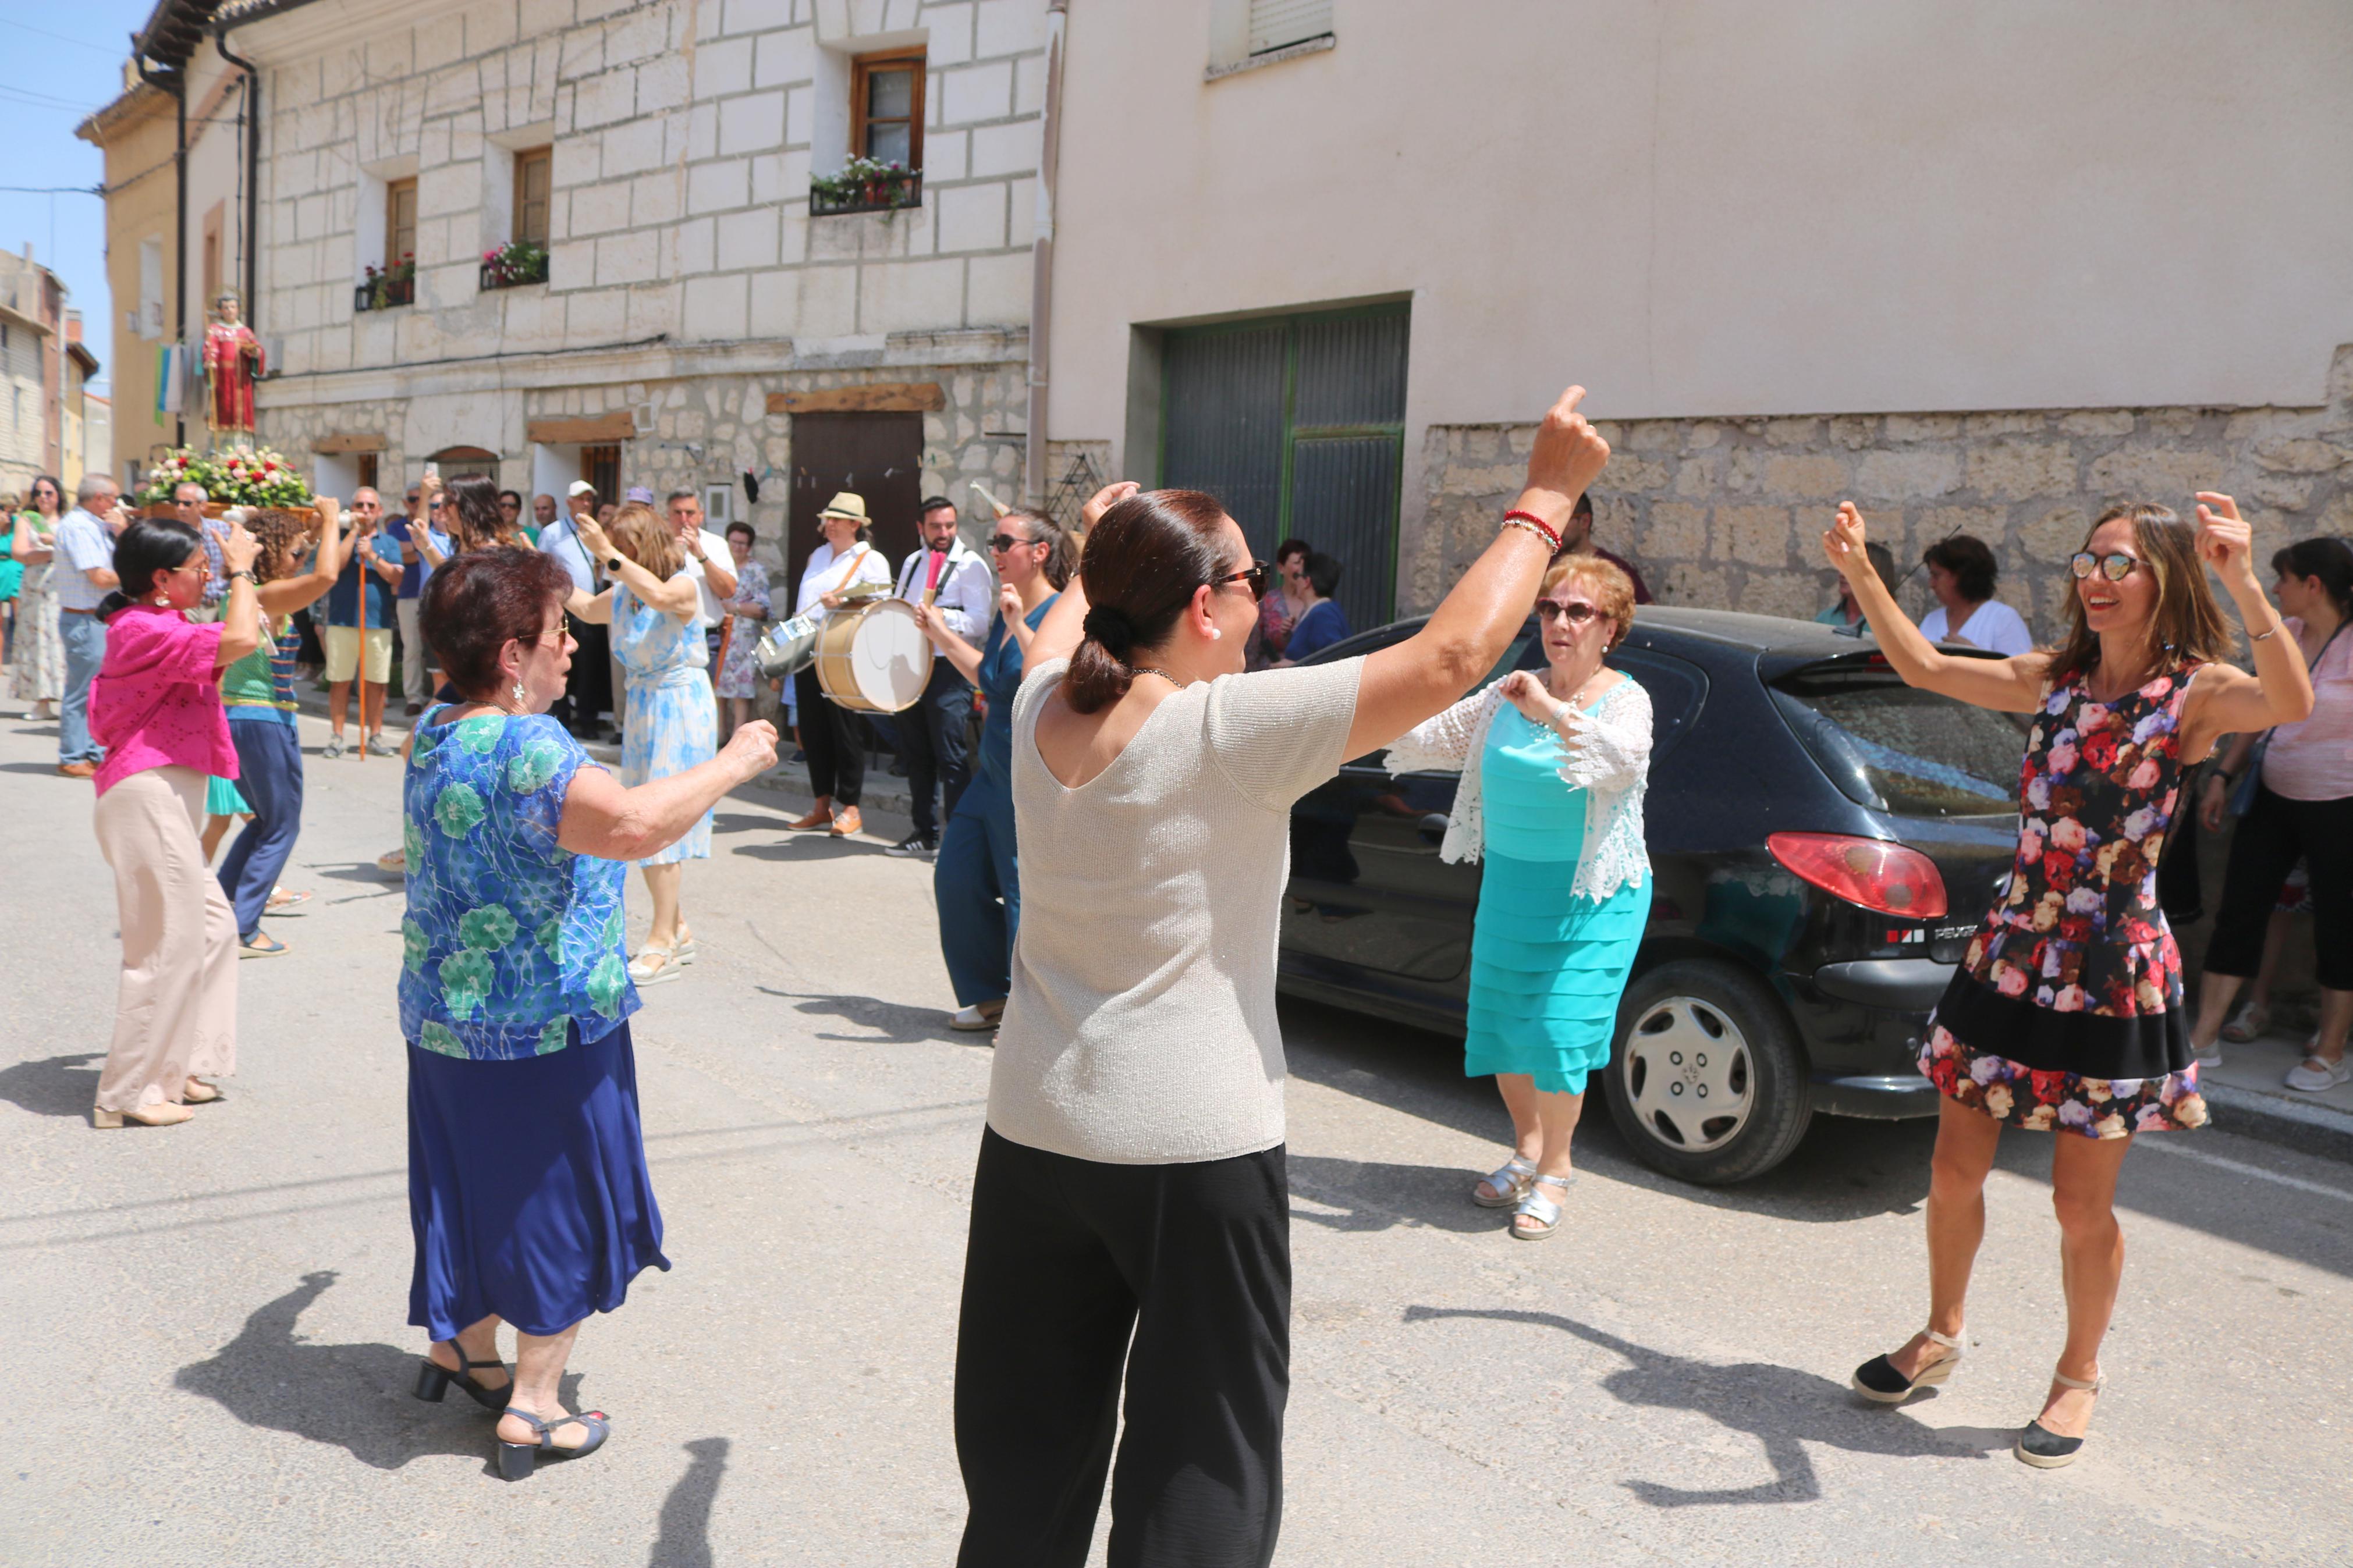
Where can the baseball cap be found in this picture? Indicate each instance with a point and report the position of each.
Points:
(641, 494)
(580, 488)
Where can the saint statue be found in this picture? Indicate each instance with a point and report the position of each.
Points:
(232, 358)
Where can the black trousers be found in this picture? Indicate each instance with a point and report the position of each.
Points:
(1069, 1259)
(932, 745)
(2273, 834)
(834, 740)
(588, 684)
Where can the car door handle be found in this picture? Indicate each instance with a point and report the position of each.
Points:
(1434, 825)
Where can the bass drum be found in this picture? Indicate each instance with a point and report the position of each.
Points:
(874, 658)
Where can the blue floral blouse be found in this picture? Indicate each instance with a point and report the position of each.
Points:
(509, 939)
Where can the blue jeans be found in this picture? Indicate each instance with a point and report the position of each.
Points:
(84, 640)
(270, 776)
(977, 868)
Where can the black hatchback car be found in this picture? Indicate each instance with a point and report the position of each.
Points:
(1824, 839)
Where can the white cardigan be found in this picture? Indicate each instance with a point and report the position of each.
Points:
(1607, 754)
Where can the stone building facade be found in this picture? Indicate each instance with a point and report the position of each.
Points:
(691, 302)
(1727, 513)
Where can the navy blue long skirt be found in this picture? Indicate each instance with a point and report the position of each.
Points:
(527, 1187)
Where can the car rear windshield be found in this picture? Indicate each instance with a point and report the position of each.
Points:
(1895, 749)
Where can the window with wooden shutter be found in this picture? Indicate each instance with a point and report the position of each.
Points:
(534, 170)
(399, 222)
(887, 108)
(1279, 23)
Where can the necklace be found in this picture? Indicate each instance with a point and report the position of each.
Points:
(1572, 699)
(1152, 670)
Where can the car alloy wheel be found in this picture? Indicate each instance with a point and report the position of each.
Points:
(1688, 1074)
(1708, 1081)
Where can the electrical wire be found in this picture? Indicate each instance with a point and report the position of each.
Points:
(77, 43)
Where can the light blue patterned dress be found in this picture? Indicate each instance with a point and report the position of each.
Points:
(673, 720)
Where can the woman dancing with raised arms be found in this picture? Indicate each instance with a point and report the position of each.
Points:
(2074, 977)
(1129, 1207)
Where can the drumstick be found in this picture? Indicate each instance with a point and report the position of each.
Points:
(982, 491)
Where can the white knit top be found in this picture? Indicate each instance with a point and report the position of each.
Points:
(1141, 1029)
(1607, 754)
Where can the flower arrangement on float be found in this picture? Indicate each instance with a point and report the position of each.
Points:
(233, 475)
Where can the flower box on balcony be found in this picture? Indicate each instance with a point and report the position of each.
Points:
(864, 185)
(512, 265)
(394, 285)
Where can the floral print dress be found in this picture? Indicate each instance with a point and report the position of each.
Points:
(510, 939)
(2074, 973)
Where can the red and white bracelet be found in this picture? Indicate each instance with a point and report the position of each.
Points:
(1517, 518)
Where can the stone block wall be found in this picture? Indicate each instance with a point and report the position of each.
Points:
(684, 133)
(1729, 514)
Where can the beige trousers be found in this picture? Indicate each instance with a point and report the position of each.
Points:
(176, 1008)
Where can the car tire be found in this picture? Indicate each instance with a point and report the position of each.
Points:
(1708, 1081)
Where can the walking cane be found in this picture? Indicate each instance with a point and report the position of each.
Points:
(359, 569)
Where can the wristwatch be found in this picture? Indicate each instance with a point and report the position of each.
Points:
(614, 566)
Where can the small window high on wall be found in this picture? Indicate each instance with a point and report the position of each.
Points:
(886, 107)
(1279, 23)
(399, 222)
(534, 171)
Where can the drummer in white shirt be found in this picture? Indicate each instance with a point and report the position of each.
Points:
(833, 737)
(1961, 573)
(951, 574)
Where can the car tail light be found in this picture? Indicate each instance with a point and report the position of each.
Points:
(1889, 877)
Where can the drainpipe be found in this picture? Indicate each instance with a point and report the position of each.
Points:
(249, 122)
(1041, 257)
(177, 86)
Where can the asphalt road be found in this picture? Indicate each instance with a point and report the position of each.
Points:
(208, 1361)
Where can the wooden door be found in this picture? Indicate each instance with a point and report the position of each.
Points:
(878, 456)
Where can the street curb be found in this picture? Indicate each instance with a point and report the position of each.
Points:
(2308, 1129)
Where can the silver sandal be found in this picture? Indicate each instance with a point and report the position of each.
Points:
(1510, 1182)
(1539, 1208)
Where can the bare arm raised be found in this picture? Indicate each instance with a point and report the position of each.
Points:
(2226, 699)
(603, 819)
(2011, 685)
(1410, 681)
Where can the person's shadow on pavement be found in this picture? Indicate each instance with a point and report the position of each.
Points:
(685, 1538)
(1783, 1408)
(352, 1397)
(54, 1086)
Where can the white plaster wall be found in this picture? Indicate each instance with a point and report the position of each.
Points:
(1715, 207)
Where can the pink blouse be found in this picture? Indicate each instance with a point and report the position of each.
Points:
(2313, 760)
(156, 701)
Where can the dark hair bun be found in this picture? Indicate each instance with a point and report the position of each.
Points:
(1111, 629)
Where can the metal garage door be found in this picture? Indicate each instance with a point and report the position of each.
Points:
(1297, 423)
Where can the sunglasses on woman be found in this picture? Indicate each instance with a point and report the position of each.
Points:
(1002, 543)
(1549, 611)
(1254, 575)
(2114, 568)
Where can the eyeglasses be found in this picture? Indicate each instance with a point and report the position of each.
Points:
(1253, 575)
(2114, 568)
(1002, 543)
(1551, 610)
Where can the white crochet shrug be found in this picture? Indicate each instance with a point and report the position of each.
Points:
(1607, 754)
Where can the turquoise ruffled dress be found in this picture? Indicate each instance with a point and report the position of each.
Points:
(1547, 967)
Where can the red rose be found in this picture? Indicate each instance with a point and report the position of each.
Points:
(2099, 752)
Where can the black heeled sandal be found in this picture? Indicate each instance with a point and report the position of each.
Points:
(1878, 1381)
(2045, 1449)
(516, 1459)
(433, 1381)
